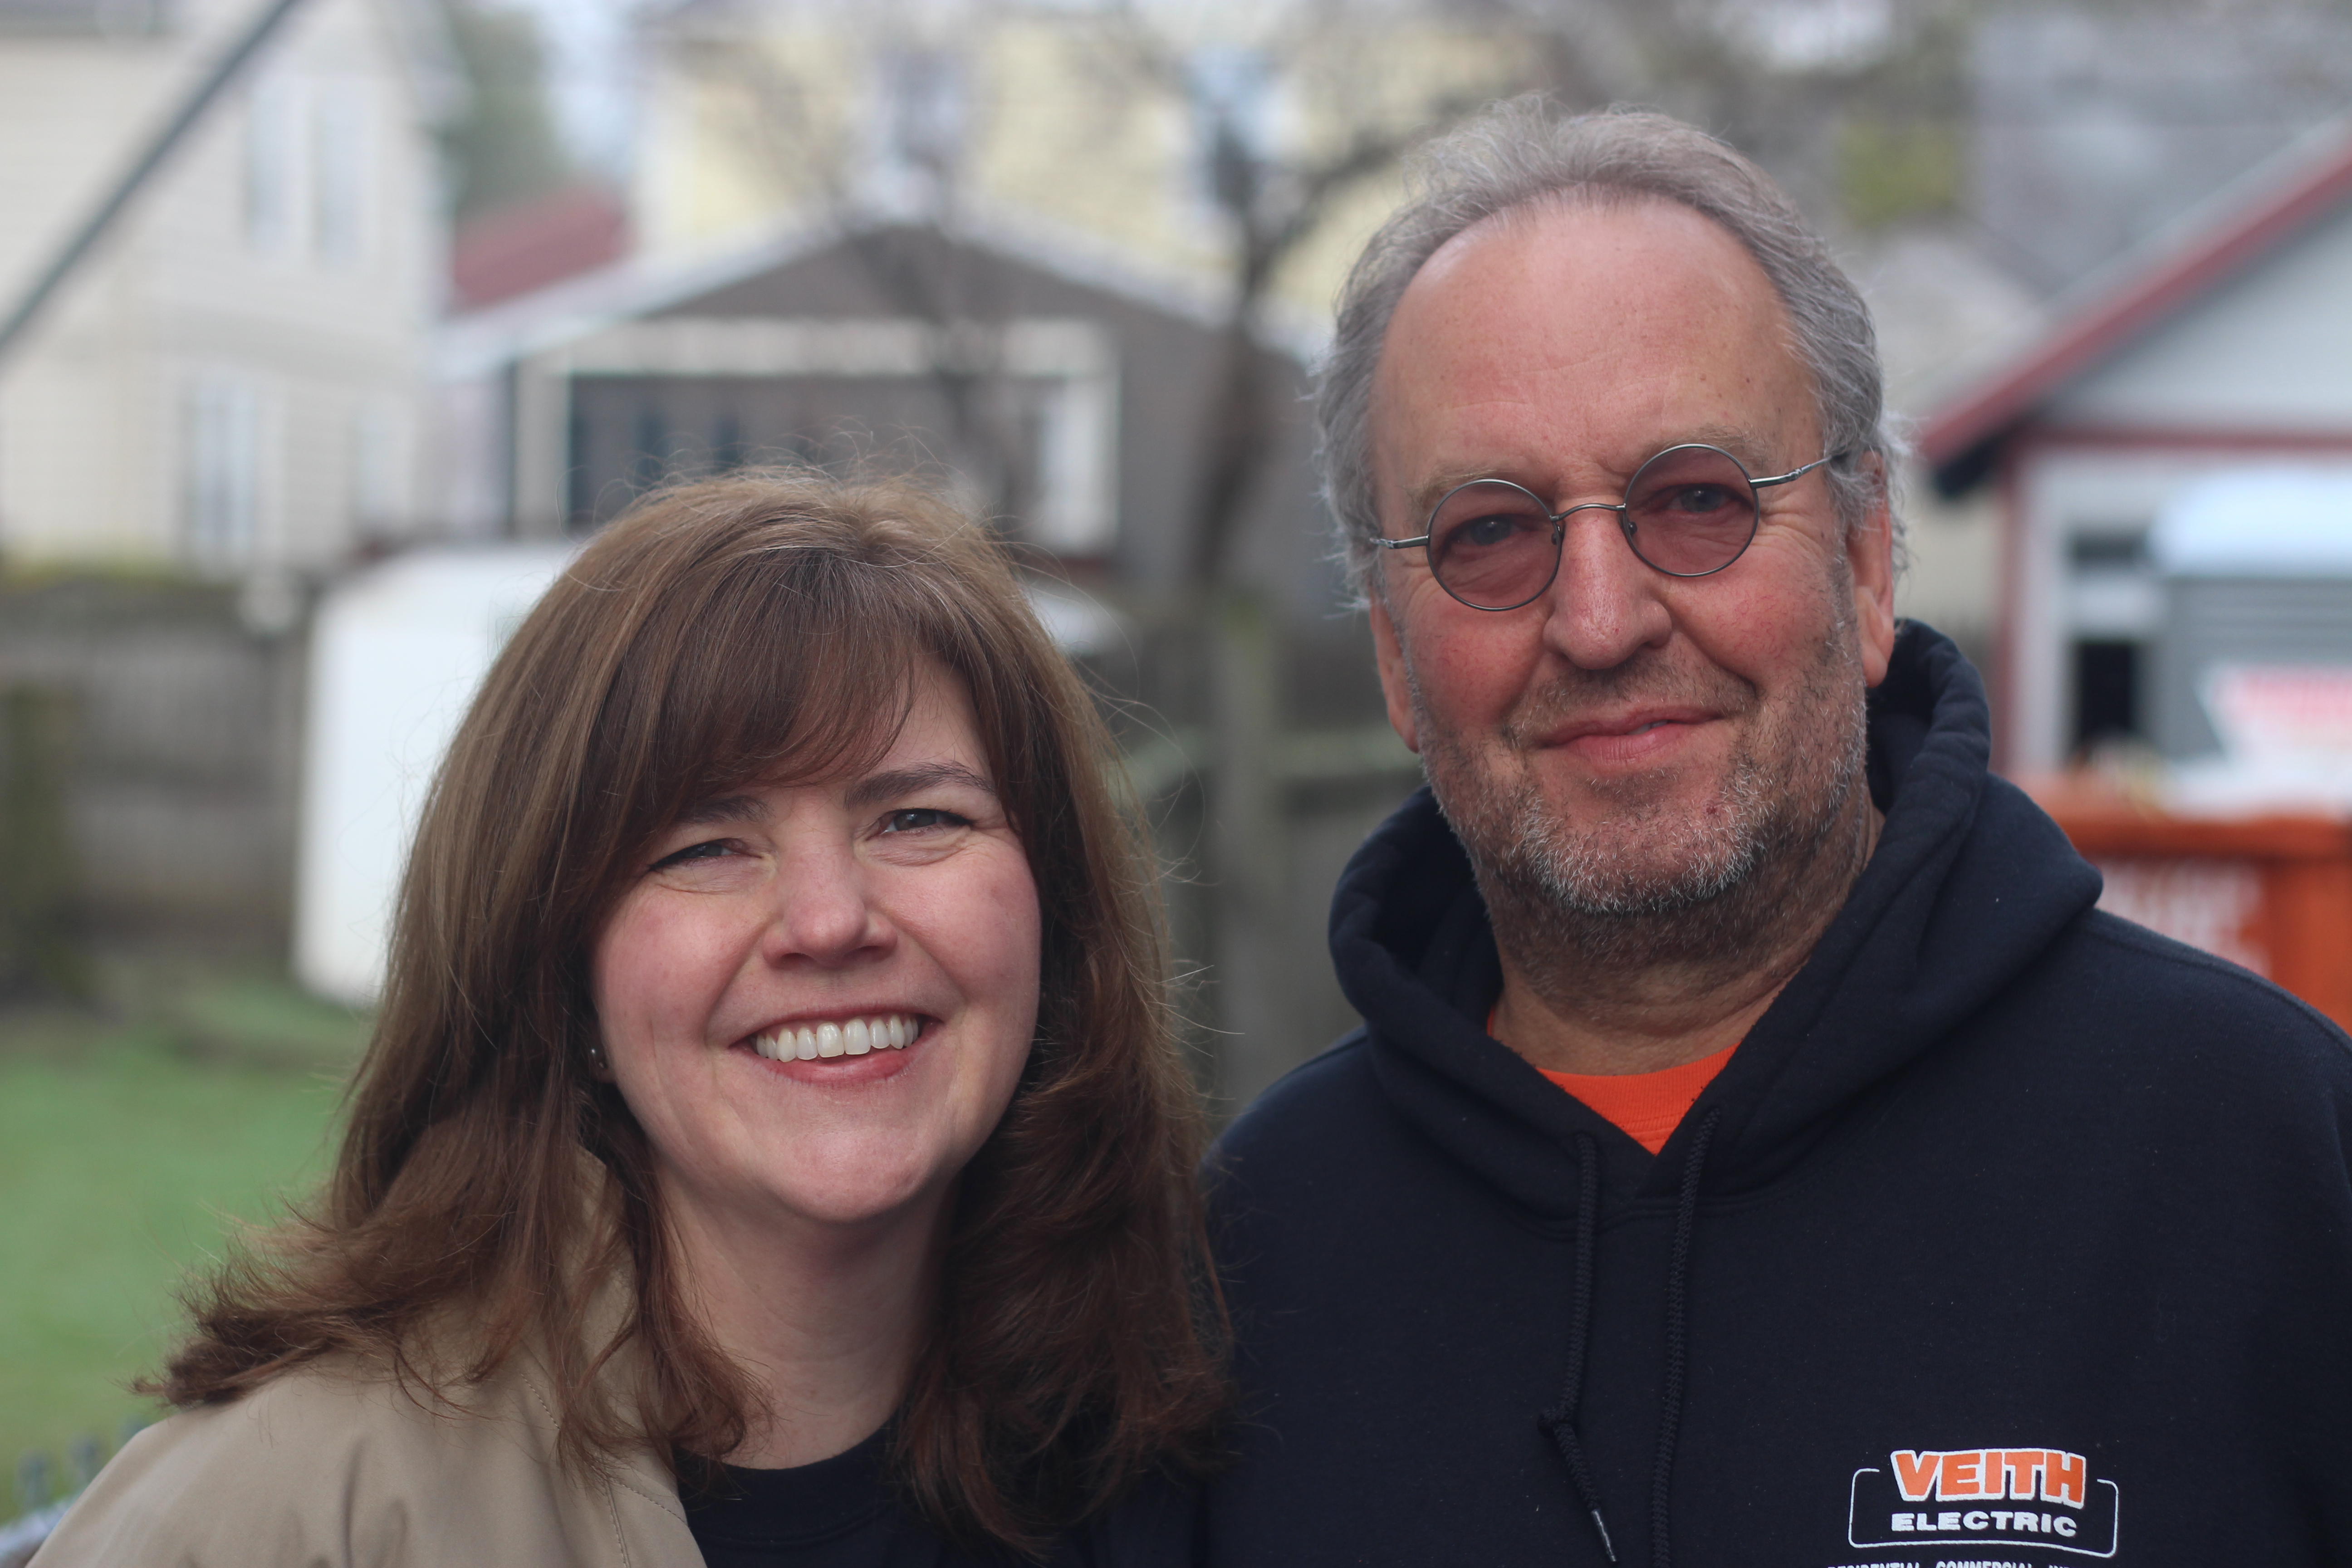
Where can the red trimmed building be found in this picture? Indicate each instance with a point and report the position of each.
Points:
(2225, 343)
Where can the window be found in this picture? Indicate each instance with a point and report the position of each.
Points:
(339, 169)
(220, 472)
(269, 176)
(581, 443)
(2106, 691)
(306, 170)
(645, 396)
(2117, 548)
(2114, 608)
(1073, 503)
(727, 452)
(380, 446)
(650, 462)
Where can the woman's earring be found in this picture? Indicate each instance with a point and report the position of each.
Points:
(596, 1057)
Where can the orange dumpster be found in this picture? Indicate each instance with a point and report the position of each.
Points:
(2273, 892)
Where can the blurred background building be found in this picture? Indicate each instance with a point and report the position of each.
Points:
(232, 383)
(395, 287)
(218, 404)
(396, 301)
(2217, 353)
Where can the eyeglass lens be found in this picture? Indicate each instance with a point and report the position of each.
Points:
(1689, 510)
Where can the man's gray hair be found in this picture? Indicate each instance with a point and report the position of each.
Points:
(1527, 151)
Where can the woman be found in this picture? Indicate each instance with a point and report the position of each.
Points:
(772, 1144)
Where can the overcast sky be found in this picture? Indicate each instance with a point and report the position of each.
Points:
(591, 69)
(589, 75)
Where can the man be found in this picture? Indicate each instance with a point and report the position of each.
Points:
(1759, 1151)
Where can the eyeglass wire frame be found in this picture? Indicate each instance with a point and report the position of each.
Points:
(1625, 524)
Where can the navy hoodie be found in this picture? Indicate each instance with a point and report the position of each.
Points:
(2012, 1234)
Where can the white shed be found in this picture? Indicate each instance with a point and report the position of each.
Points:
(396, 654)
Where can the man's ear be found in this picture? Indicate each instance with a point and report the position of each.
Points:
(1389, 649)
(1870, 558)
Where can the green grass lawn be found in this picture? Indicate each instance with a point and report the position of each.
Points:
(127, 1149)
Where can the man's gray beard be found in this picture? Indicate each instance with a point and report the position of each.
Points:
(1564, 901)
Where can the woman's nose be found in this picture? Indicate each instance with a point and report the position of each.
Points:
(824, 908)
(1603, 601)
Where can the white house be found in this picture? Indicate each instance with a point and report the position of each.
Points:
(2218, 356)
(230, 384)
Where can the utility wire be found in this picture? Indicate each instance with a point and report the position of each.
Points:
(214, 81)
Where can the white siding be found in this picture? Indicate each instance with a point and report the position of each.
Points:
(292, 242)
(2271, 350)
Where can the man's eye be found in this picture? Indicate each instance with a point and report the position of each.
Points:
(1486, 532)
(1700, 499)
(922, 818)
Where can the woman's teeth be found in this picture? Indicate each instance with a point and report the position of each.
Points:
(894, 1032)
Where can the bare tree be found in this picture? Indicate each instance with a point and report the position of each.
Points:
(1272, 191)
(818, 147)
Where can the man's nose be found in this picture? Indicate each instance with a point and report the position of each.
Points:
(1603, 601)
(824, 911)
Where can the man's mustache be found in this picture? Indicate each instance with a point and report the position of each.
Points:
(1640, 682)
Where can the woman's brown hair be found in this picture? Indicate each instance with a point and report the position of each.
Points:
(755, 627)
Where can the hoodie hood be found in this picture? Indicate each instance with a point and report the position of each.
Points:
(1927, 936)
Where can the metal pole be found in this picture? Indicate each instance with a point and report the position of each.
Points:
(214, 82)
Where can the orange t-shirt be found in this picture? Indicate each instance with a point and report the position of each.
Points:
(1645, 1106)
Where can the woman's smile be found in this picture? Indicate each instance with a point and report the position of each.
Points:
(842, 1053)
(853, 1038)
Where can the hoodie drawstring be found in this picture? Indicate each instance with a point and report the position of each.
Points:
(1560, 1421)
(1670, 1419)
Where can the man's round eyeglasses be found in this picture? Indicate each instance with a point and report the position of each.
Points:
(1688, 511)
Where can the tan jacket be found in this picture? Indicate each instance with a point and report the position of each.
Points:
(323, 1468)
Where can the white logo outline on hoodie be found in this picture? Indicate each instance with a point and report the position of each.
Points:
(2073, 1511)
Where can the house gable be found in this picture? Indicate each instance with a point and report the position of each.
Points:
(2248, 234)
(765, 358)
(2269, 350)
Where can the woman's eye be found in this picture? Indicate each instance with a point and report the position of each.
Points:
(922, 818)
(712, 850)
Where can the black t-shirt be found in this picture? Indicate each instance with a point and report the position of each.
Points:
(843, 1512)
